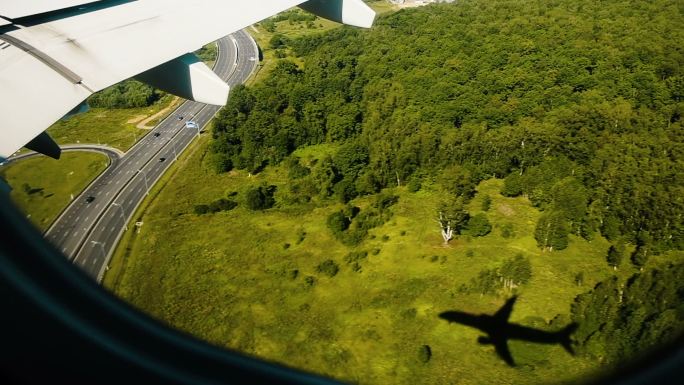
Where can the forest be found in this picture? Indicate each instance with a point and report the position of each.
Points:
(577, 105)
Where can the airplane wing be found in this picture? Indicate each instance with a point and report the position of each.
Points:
(56, 53)
(504, 313)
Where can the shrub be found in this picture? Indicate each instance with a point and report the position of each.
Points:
(614, 257)
(507, 230)
(355, 256)
(414, 184)
(328, 267)
(424, 353)
(201, 209)
(513, 185)
(478, 225)
(260, 198)
(222, 204)
(338, 222)
(486, 203)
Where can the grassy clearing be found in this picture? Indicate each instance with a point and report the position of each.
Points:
(42, 186)
(292, 30)
(112, 127)
(240, 279)
(289, 29)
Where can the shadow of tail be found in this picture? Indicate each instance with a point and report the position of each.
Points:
(565, 337)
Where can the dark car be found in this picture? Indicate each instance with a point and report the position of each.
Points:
(90, 199)
(156, 134)
(180, 117)
(162, 159)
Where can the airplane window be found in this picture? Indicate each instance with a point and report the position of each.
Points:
(466, 192)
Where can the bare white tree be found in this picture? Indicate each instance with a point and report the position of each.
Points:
(452, 216)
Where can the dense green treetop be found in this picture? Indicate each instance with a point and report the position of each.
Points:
(579, 103)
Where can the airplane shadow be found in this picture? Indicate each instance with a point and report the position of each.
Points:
(499, 330)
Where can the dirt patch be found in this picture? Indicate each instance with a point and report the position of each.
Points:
(135, 119)
(506, 210)
(143, 125)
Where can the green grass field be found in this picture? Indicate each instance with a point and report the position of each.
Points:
(239, 279)
(42, 187)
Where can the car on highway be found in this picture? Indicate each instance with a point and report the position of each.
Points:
(90, 199)
(191, 124)
(162, 159)
(180, 117)
(156, 134)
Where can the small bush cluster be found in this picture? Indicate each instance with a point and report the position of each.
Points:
(328, 267)
(512, 273)
(222, 204)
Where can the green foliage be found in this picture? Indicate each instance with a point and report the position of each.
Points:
(552, 231)
(221, 204)
(518, 270)
(424, 354)
(618, 321)
(328, 267)
(207, 53)
(478, 225)
(296, 170)
(452, 214)
(643, 249)
(350, 159)
(260, 198)
(513, 273)
(488, 90)
(615, 255)
(338, 222)
(414, 184)
(486, 203)
(278, 41)
(351, 224)
(127, 94)
(512, 185)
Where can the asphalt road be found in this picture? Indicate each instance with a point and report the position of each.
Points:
(87, 233)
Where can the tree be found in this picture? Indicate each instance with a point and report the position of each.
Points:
(260, 198)
(551, 231)
(516, 271)
(486, 203)
(350, 160)
(643, 249)
(278, 41)
(451, 217)
(478, 225)
(512, 185)
(328, 267)
(338, 222)
(614, 256)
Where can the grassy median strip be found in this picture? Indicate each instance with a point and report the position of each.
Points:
(42, 187)
(112, 127)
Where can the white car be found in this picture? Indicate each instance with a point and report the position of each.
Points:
(191, 124)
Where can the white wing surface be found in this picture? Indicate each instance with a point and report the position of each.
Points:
(51, 62)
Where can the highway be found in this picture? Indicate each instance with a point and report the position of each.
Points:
(87, 233)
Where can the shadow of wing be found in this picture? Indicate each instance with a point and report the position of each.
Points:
(501, 347)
